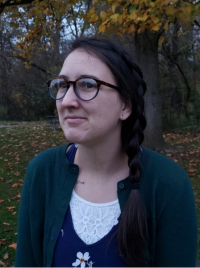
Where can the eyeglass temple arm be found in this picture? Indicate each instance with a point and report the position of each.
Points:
(108, 85)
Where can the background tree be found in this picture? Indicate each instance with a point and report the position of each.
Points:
(23, 92)
(8, 3)
(179, 67)
(148, 21)
(154, 30)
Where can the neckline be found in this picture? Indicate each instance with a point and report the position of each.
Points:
(94, 204)
(111, 233)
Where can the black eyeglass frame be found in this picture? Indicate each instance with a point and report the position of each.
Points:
(99, 83)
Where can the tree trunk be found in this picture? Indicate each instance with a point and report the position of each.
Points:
(147, 55)
(56, 47)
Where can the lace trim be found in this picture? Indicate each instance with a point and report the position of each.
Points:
(93, 221)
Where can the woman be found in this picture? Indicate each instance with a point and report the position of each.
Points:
(103, 200)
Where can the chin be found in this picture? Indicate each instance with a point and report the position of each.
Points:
(73, 137)
(75, 134)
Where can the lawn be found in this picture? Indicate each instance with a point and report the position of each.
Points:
(18, 145)
(20, 142)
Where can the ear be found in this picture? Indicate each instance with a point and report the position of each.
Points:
(126, 110)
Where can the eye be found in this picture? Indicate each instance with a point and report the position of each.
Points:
(63, 85)
(86, 84)
(59, 84)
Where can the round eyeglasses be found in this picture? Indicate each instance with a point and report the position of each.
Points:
(85, 88)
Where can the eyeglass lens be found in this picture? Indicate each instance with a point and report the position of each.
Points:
(85, 88)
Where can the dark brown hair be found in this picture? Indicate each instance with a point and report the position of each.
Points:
(132, 232)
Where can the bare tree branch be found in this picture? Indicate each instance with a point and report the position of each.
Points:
(197, 23)
(86, 23)
(74, 19)
(13, 3)
(192, 3)
(31, 63)
(181, 71)
(5, 59)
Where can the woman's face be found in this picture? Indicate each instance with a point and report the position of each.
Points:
(95, 120)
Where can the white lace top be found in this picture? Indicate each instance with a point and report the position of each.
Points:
(92, 221)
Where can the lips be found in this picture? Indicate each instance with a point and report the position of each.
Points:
(75, 119)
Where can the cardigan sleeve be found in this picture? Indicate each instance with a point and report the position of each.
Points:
(24, 254)
(176, 229)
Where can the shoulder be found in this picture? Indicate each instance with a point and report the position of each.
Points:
(160, 165)
(47, 171)
(53, 155)
(165, 186)
(47, 165)
(163, 174)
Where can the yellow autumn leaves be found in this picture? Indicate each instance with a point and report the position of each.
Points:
(139, 15)
(108, 15)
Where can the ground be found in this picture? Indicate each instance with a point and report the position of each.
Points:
(21, 141)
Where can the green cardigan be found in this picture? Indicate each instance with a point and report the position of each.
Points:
(165, 189)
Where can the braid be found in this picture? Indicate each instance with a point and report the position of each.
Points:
(133, 225)
(132, 232)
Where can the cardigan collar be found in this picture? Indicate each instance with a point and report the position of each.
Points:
(123, 186)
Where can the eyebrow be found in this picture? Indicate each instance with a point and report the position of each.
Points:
(81, 76)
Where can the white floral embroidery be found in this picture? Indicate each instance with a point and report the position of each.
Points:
(82, 260)
(93, 221)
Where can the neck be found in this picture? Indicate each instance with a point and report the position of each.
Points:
(102, 161)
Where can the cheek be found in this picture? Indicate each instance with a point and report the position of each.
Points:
(111, 107)
(59, 107)
(108, 112)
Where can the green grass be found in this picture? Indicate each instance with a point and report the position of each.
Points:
(4, 123)
(19, 144)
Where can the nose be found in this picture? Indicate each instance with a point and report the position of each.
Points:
(70, 99)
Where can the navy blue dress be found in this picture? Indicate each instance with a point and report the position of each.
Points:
(71, 250)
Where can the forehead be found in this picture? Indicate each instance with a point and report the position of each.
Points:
(80, 62)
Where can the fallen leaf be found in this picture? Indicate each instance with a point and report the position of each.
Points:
(2, 263)
(6, 256)
(10, 208)
(14, 246)
(1, 179)
(17, 197)
(17, 173)
(197, 200)
(17, 185)
(192, 170)
(14, 213)
(10, 181)
(3, 241)
(6, 223)
(33, 145)
(4, 147)
(168, 155)
(1, 200)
